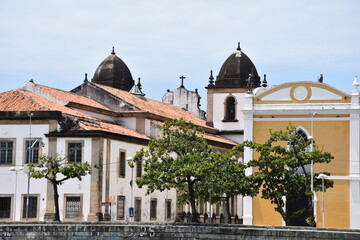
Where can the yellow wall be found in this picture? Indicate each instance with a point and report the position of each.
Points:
(331, 136)
(336, 205)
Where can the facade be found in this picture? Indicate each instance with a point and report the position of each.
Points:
(331, 117)
(107, 120)
(243, 108)
(99, 122)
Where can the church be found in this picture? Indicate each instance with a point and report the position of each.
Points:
(107, 119)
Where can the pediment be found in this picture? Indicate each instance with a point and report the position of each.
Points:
(301, 92)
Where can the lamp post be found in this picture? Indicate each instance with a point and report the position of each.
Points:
(322, 176)
(16, 170)
(311, 138)
(131, 209)
(27, 170)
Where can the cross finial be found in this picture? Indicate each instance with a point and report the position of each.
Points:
(238, 48)
(113, 51)
(182, 81)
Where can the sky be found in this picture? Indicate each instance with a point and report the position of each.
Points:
(56, 42)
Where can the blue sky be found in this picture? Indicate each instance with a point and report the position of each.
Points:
(57, 42)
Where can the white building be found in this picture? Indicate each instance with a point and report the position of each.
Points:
(99, 122)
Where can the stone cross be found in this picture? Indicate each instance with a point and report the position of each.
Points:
(182, 81)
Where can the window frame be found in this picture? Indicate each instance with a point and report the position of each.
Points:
(153, 212)
(167, 208)
(137, 211)
(26, 149)
(11, 213)
(122, 198)
(23, 207)
(122, 164)
(13, 158)
(67, 144)
(80, 217)
(226, 109)
(139, 166)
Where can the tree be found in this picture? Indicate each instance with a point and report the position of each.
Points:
(282, 163)
(177, 159)
(52, 167)
(226, 178)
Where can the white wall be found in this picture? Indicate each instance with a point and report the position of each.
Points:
(219, 110)
(20, 132)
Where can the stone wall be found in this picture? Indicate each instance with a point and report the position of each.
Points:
(113, 231)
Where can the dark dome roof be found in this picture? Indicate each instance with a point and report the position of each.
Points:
(235, 71)
(113, 72)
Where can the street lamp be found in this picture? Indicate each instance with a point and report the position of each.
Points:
(322, 176)
(16, 170)
(27, 170)
(131, 209)
(311, 138)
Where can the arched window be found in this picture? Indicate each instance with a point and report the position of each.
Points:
(300, 133)
(230, 112)
(304, 136)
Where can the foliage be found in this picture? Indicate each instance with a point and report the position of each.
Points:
(177, 159)
(281, 167)
(53, 167)
(225, 179)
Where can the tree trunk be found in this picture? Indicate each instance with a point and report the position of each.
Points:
(227, 216)
(56, 200)
(194, 214)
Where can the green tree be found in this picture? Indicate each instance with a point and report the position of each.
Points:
(51, 167)
(226, 178)
(177, 159)
(282, 167)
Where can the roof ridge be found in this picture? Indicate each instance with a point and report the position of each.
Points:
(31, 98)
(32, 87)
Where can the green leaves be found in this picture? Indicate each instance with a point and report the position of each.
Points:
(50, 167)
(283, 169)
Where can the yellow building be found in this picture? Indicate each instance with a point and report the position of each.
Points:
(244, 108)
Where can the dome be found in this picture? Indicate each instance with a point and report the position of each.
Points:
(113, 72)
(235, 71)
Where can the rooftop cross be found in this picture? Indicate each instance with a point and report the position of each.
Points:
(182, 81)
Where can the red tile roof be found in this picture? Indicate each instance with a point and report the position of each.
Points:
(112, 128)
(16, 100)
(71, 97)
(158, 108)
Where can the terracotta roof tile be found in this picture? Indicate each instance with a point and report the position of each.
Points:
(155, 107)
(71, 97)
(208, 136)
(112, 128)
(17, 100)
(20, 100)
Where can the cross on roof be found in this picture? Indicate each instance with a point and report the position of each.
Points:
(182, 81)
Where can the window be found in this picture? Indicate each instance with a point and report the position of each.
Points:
(230, 109)
(72, 207)
(121, 207)
(201, 207)
(168, 209)
(153, 208)
(6, 152)
(232, 205)
(139, 169)
(33, 204)
(137, 209)
(5, 207)
(122, 164)
(74, 152)
(32, 151)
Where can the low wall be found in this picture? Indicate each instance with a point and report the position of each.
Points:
(115, 231)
